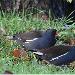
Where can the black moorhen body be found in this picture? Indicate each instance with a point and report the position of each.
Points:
(65, 58)
(57, 55)
(49, 53)
(36, 39)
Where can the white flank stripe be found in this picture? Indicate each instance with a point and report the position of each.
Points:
(27, 42)
(39, 53)
(32, 39)
(58, 57)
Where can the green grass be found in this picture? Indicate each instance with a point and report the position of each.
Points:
(14, 24)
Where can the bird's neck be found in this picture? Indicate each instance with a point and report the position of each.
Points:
(50, 36)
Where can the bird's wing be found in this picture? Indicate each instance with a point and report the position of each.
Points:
(30, 35)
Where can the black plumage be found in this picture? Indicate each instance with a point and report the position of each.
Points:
(49, 53)
(36, 39)
(27, 35)
(65, 58)
(57, 55)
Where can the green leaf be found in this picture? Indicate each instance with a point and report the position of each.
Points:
(69, 1)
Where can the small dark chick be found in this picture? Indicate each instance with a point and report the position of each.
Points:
(36, 39)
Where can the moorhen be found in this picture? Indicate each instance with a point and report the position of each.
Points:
(57, 55)
(49, 53)
(65, 58)
(36, 39)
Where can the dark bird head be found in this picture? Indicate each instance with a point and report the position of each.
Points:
(50, 34)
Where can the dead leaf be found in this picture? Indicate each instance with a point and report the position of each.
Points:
(16, 52)
(72, 64)
(20, 53)
(72, 41)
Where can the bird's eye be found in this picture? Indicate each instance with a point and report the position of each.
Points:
(13, 36)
